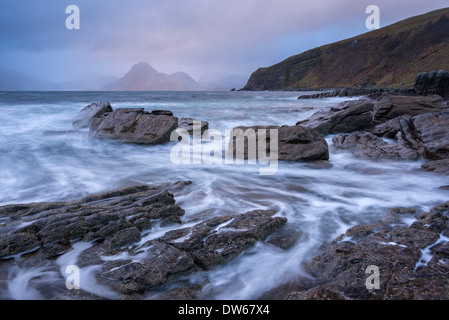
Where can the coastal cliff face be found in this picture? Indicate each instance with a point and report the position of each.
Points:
(388, 57)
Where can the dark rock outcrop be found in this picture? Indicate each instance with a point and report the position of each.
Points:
(354, 92)
(423, 136)
(363, 114)
(94, 110)
(133, 125)
(367, 145)
(439, 166)
(349, 116)
(188, 124)
(114, 224)
(295, 143)
(391, 106)
(115, 217)
(412, 262)
(435, 82)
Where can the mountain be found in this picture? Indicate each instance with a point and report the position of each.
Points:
(388, 57)
(183, 79)
(143, 77)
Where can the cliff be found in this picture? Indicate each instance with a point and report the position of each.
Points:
(388, 57)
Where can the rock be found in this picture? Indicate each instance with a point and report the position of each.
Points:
(162, 113)
(391, 106)
(221, 239)
(134, 126)
(187, 124)
(59, 133)
(353, 92)
(439, 166)
(432, 130)
(295, 143)
(406, 272)
(184, 293)
(110, 224)
(94, 110)
(18, 242)
(435, 82)
(106, 217)
(121, 238)
(160, 261)
(349, 116)
(369, 146)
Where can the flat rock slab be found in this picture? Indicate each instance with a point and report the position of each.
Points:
(295, 143)
(347, 117)
(132, 125)
(111, 227)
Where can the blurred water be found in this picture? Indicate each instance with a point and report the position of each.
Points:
(319, 203)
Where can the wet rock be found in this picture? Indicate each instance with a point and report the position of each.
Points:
(162, 113)
(412, 137)
(295, 143)
(121, 238)
(349, 116)
(440, 166)
(94, 110)
(221, 239)
(134, 126)
(106, 217)
(406, 272)
(110, 226)
(130, 277)
(352, 92)
(391, 106)
(432, 130)
(188, 124)
(367, 145)
(435, 82)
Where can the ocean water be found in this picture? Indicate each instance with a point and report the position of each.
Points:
(319, 203)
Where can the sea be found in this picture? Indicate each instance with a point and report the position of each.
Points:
(42, 158)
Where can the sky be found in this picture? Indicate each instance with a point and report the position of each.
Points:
(200, 37)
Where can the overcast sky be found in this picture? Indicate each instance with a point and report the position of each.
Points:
(196, 36)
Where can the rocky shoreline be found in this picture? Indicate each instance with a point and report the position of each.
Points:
(113, 236)
(115, 230)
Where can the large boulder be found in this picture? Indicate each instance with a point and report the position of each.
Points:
(295, 143)
(412, 262)
(435, 82)
(94, 110)
(134, 125)
(349, 116)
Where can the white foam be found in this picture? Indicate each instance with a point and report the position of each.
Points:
(427, 252)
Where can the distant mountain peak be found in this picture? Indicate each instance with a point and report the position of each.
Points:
(143, 77)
